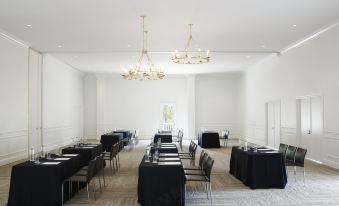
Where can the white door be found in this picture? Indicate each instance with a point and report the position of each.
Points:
(34, 110)
(273, 124)
(311, 123)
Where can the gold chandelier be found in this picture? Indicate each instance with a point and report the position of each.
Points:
(189, 57)
(144, 69)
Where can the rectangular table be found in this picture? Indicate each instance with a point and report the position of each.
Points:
(87, 152)
(165, 137)
(39, 184)
(208, 139)
(258, 169)
(161, 184)
(109, 139)
(165, 148)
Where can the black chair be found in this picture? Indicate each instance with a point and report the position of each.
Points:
(224, 136)
(200, 170)
(203, 154)
(83, 177)
(178, 138)
(283, 149)
(299, 160)
(191, 153)
(110, 156)
(289, 158)
(203, 178)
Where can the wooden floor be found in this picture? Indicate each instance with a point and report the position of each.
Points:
(322, 185)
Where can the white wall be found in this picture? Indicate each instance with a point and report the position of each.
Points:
(62, 103)
(90, 106)
(136, 104)
(14, 100)
(311, 69)
(219, 103)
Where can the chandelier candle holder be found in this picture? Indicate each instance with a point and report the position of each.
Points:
(190, 57)
(144, 69)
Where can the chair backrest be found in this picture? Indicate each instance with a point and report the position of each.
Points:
(180, 135)
(202, 155)
(290, 153)
(300, 157)
(91, 168)
(190, 148)
(195, 146)
(99, 164)
(226, 134)
(204, 161)
(208, 167)
(283, 148)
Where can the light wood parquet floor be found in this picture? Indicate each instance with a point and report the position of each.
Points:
(322, 185)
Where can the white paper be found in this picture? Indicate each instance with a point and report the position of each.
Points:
(169, 159)
(264, 149)
(70, 155)
(272, 152)
(50, 163)
(58, 159)
(168, 154)
(169, 163)
(87, 147)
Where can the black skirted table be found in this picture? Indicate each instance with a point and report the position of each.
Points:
(208, 139)
(87, 152)
(125, 133)
(161, 184)
(165, 137)
(262, 169)
(40, 184)
(109, 139)
(165, 148)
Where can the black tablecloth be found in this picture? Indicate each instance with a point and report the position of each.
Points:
(33, 184)
(124, 132)
(208, 139)
(165, 137)
(109, 139)
(161, 185)
(258, 169)
(86, 154)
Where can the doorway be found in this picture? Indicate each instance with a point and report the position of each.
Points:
(273, 123)
(310, 125)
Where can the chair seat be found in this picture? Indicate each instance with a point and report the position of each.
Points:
(77, 178)
(289, 163)
(189, 167)
(194, 172)
(81, 173)
(84, 168)
(199, 178)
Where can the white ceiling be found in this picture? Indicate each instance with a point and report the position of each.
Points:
(92, 33)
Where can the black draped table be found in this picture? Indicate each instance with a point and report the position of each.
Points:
(125, 133)
(109, 139)
(87, 152)
(262, 169)
(161, 184)
(165, 137)
(40, 184)
(208, 139)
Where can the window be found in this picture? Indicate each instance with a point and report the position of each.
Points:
(167, 117)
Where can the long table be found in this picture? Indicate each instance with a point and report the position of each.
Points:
(208, 139)
(40, 184)
(87, 152)
(160, 184)
(262, 169)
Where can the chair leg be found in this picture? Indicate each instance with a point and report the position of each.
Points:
(226, 143)
(206, 189)
(118, 159)
(110, 163)
(94, 190)
(99, 183)
(89, 201)
(103, 176)
(210, 192)
(295, 173)
(62, 194)
(304, 175)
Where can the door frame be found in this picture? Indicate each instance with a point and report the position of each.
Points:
(266, 118)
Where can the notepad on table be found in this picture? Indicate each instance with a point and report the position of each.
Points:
(168, 154)
(169, 159)
(169, 163)
(70, 155)
(87, 147)
(51, 163)
(62, 159)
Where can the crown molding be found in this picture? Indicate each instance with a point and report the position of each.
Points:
(14, 39)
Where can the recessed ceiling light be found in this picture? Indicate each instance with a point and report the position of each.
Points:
(263, 46)
(128, 45)
(248, 56)
(59, 46)
(29, 25)
(294, 25)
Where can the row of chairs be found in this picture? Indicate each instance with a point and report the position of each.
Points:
(190, 155)
(201, 173)
(294, 157)
(178, 138)
(113, 156)
(224, 137)
(85, 175)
